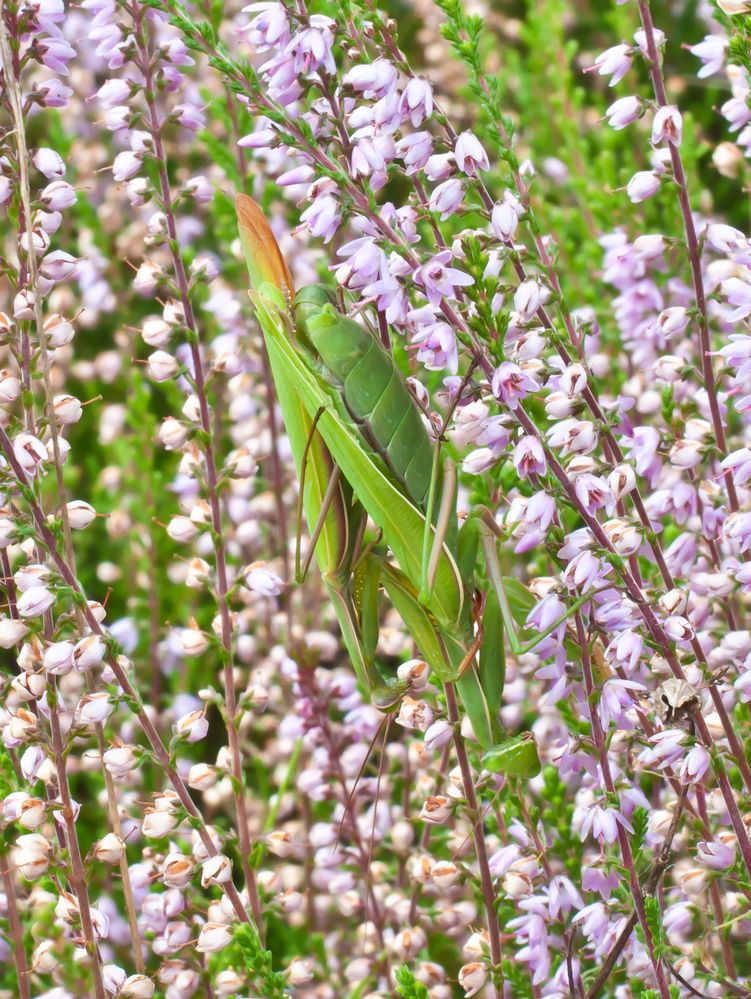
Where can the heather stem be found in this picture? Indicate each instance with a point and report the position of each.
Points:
(212, 478)
(694, 252)
(623, 841)
(478, 834)
(16, 928)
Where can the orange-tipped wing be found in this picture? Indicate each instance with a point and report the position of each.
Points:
(265, 260)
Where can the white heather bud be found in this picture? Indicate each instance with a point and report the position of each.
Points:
(23, 305)
(415, 672)
(697, 429)
(193, 641)
(10, 386)
(472, 977)
(444, 874)
(558, 405)
(408, 943)
(202, 777)
(33, 810)
(517, 884)
(88, 653)
(29, 686)
(58, 658)
(162, 366)
(281, 844)
(198, 574)
(120, 760)
(686, 454)
(156, 332)
(35, 601)
(213, 937)
(693, 880)
(414, 714)
(182, 529)
(157, 824)
(59, 331)
(674, 601)
(174, 313)
(300, 971)
(109, 849)
(44, 956)
(621, 481)
(678, 629)
(402, 836)
(217, 870)
(668, 368)
(31, 855)
(727, 158)
(67, 409)
(438, 734)
(137, 987)
(573, 381)
(12, 631)
(241, 464)
(29, 453)
(177, 870)
(80, 514)
(192, 726)
(624, 537)
(30, 575)
(436, 809)
(93, 708)
(173, 434)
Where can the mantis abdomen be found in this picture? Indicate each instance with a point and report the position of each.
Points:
(376, 397)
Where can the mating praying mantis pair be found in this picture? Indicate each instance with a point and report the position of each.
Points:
(362, 451)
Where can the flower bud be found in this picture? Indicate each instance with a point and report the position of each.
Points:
(444, 874)
(182, 529)
(213, 937)
(88, 653)
(436, 809)
(472, 978)
(58, 658)
(12, 631)
(10, 386)
(67, 409)
(80, 514)
(93, 708)
(109, 849)
(162, 366)
(35, 601)
(438, 734)
(59, 331)
(44, 958)
(137, 987)
(414, 714)
(621, 481)
(415, 672)
(192, 726)
(216, 870)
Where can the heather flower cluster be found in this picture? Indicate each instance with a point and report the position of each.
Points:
(197, 797)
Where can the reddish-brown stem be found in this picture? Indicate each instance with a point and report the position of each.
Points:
(623, 841)
(478, 834)
(212, 480)
(694, 251)
(16, 929)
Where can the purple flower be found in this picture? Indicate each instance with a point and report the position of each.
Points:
(447, 197)
(439, 280)
(322, 217)
(711, 50)
(614, 62)
(642, 185)
(511, 383)
(371, 79)
(437, 347)
(667, 124)
(695, 766)
(415, 150)
(470, 154)
(716, 854)
(603, 824)
(623, 112)
(416, 101)
(529, 457)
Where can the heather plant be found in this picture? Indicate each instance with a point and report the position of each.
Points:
(212, 781)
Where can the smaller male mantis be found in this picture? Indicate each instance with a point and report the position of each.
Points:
(362, 450)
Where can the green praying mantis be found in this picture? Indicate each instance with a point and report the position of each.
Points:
(362, 451)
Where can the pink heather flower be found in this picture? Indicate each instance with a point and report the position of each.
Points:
(623, 112)
(113, 93)
(711, 51)
(372, 79)
(510, 384)
(617, 698)
(642, 185)
(415, 149)
(603, 824)
(716, 854)
(437, 347)
(438, 280)
(269, 28)
(614, 62)
(695, 765)
(740, 463)
(529, 457)
(470, 154)
(322, 217)
(505, 219)
(48, 162)
(664, 749)
(667, 124)
(447, 197)
(416, 101)
(126, 165)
